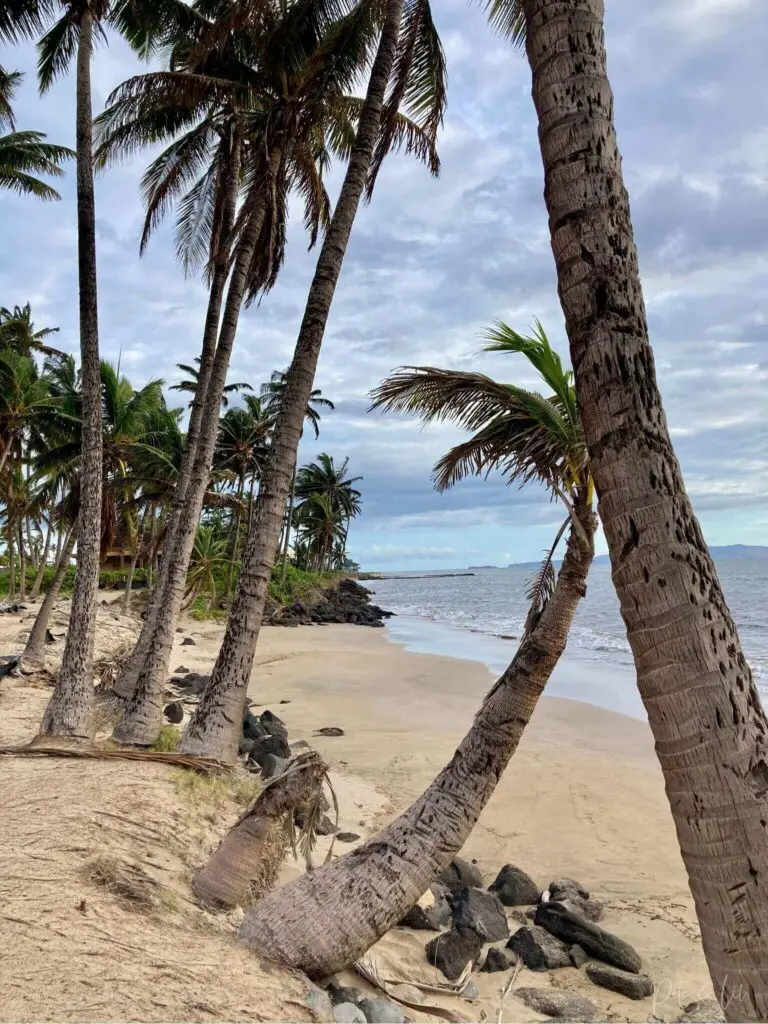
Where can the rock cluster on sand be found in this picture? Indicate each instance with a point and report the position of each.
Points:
(347, 602)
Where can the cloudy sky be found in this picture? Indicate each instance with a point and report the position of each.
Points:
(432, 262)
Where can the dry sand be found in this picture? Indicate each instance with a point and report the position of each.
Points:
(583, 797)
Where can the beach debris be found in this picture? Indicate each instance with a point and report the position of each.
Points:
(558, 1003)
(453, 951)
(382, 1011)
(574, 929)
(578, 956)
(703, 1011)
(329, 730)
(496, 961)
(10, 666)
(268, 745)
(538, 949)
(348, 1013)
(460, 874)
(432, 913)
(174, 712)
(188, 642)
(13, 609)
(347, 837)
(482, 912)
(566, 888)
(626, 983)
(514, 887)
(343, 993)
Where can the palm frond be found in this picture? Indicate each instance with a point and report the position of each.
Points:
(541, 585)
(507, 17)
(56, 50)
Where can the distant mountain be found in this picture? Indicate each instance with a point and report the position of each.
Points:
(737, 551)
(475, 567)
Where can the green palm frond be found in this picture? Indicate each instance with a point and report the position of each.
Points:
(541, 584)
(25, 154)
(507, 17)
(9, 84)
(56, 50)
(25, 19)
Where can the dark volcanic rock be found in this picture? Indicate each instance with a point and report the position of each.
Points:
(344, 994)
(246, 746)
(482, 912)
(252, 727)
(347, 837)
(271, 765)
(573, 929)
(174, 712)
(329, 730)
(460, 874)
(188, 642)
(578, 956)
(382, 1011)
(626, 983)
(432, 918)
(591, 909)
(558, 1004)
(497, 960)
(564, 888)
(453, 950)
(181, 670)
(273, 725)
(704, 1011)
(192, 683)
(539, 950)
(269, 745)
(348, 602)
(514, 888)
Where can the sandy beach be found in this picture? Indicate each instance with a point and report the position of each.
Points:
(583, 797)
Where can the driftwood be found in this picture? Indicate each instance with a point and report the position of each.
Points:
(246, 863)
(206, 765)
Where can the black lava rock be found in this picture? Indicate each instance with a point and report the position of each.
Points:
(192, 684)
(460, 874)
(514, 888)
(432, 918)
(539, 950)
(272, 765)
(560, 1005)
(182, 670)
(344, 994)
(188, 642)
(347, 837)
(482, 912)
(252, 727)
(497, 960)
(453, 950)
(174, 712)
(269, 745)
(564, 888)
(578, 956)
(574, 929)
(626, 983)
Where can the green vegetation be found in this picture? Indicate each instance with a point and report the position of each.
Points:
(168, 740)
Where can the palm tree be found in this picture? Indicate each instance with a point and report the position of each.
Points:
(17, 331)
(325, 524)
(23, 394)
(306, 109)
(25, 154)
(71, 36)
(207, 564)
(272, 393)
(703, 707)
(193, 383)
(411, 63)
(528, 438)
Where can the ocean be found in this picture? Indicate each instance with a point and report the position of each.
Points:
(472, 617)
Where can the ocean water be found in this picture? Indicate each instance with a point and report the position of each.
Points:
(467, 617)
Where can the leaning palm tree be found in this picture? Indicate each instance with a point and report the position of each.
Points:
(528, 437)
(17, 330)
(408, 70)
(324, 479)
(703, 706)
(192, 384)
(70, 27)
(24, 155)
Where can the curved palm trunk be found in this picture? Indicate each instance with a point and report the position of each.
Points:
(11, 565)
(34, 651)
(216, 722)
(129, 673)
(235, 537)
(22, 565)
(35, 592)
(703, 707)
(288, 521)
(68, 710)
(308, 925)
(142, 720)
(129, 581)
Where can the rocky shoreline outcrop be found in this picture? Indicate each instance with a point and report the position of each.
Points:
(346, 602)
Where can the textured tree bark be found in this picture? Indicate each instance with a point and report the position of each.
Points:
(141, 722)
(35, 592)
(34, 652)
(324, 921)
(703, 707)
(216, 722)
(11, 565)
(22, 565)
(68, 710)
(288, 520)
(129, 581)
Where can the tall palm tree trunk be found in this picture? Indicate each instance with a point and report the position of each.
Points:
(34, 651)
(132, 567)
(235, 537)
(11, 565)
(22, 565)
(35, 592)
(288, 521)
(217, 719)
(307, 924)
(129, 674)
(68, 710)
(142, 720)
(703, 707)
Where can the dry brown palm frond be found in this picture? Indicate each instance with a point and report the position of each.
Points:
(541, 585)
(367, 968)
(198, 764)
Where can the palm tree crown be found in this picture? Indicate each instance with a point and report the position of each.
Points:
(190, 385)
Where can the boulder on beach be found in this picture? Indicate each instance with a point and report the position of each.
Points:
(269, 745)
(482, 912)
(577, 930)
(460, 874)
(432, 913)
(559, 1004)
(514, 887)
(174, 712)
(565, 888)
(452, 951)
(496, 960)
(382, 1011)
(626, 983)
(538, 949)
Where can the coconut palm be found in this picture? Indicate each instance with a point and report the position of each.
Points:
(703, 707)
(23, 394)
(408, 70)
(324, 526)
(192, 384)
(18, 332)
(25, 154)
(207, 564)
(527, 437)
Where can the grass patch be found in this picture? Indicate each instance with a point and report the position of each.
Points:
(168, 741)
(214, 791)
(200, 612)
(299, 585)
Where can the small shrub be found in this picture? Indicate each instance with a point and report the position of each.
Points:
(168, 740)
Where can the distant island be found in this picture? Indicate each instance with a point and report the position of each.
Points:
(737, 551)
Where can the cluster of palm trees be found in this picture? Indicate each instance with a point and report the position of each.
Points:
(254, 100)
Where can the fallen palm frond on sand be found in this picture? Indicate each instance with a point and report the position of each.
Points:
(367, 968)
(198, 764)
